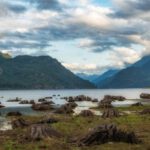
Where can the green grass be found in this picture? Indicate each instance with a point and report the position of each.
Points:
(72, 127)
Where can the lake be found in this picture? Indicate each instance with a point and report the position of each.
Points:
(5, 95)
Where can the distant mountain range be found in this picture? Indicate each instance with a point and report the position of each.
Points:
(134, 76)
(87, 77)
(43, 72)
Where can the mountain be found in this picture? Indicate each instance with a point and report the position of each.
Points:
(105, 76)
(134, 76)
(43, 72)
(90, 78)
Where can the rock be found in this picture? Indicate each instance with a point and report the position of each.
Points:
(48, 97)
(107, 133)
(110, 113)
(72, 104)
(145, 111)
(19, 123)
(137, 104)
(15, 113)
(42, 107)
(86, 113)
(40, 132)
(65, 109)
(48, 121)
(145, 96)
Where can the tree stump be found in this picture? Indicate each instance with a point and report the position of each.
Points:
(19, 123)
(86, 113)
(137, 104)
(145, 111)
(110, 113)
(107, 133)
(40, 132)
(15, 113)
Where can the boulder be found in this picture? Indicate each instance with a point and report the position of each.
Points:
(48, 102)
(105, 103)
(40, 132)
(110, 113)
(145, 111)
(137, 104)
(19, 123)
(86, 113)
(42, 107)
(145, 96)
(14, 113)
(42, 100)
(107, 133)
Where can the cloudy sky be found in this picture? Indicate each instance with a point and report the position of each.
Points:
(88, 36)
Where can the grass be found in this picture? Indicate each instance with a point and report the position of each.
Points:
(72, 127)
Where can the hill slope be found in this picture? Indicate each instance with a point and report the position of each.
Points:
(43, 72)
(135, 76)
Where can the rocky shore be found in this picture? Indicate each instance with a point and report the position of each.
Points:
(60, 127)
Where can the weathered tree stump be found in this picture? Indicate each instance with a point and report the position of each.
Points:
(40, 132)
(48, 121)
(65, 109)
(42, 107)
(110, 113)
(137, 104)
(107, 133)
(145, 96)
(2, 106)
(86, 113)
(15, 113)
(19, 123)
(145, 111)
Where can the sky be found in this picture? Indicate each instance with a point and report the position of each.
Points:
(88, 36)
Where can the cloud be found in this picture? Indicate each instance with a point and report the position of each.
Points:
(37, 23)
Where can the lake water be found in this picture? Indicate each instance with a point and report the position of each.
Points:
(132, 96)
(57, 94)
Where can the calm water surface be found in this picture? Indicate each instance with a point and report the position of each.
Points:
(131, 94)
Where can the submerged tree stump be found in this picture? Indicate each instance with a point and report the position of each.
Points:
(110, 113)
(19, 123)
(106, 133)
(86, 113)
(40, 132)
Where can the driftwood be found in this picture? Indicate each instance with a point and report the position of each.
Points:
(19, 123)
(107, 133)
(40, 132)
(86, 113)
(110, 113)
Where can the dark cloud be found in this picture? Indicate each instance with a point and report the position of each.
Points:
(132, 8)
(47, 4)
(17, 8)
